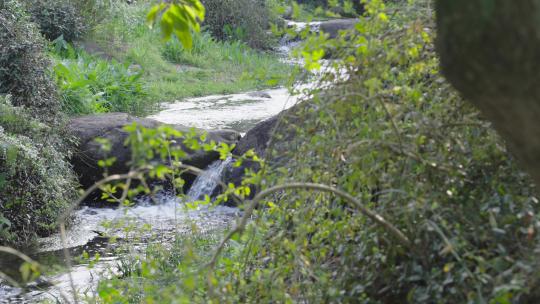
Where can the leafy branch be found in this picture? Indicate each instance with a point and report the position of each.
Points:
(179, 17)
(377, 218)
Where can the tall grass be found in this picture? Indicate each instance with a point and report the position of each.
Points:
(172, 73)
(89, 84)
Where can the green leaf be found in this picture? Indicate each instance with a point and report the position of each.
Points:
(180, 19)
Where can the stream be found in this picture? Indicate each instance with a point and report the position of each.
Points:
(166, 213)
(167, 218)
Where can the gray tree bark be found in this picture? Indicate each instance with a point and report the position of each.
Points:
(490, 52)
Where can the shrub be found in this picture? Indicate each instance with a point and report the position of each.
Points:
(403, 143)
(207, 53)
(244, 20)
(398, 138)
(57, 18)
(24, 68)
(36, 182)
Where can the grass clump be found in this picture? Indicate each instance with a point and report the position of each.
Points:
(89, 84)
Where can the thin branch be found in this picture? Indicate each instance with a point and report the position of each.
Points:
(378, 219)
(9, 280)
(17, 253)
(67, 213)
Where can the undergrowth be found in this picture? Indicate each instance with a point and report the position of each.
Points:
(35, 179)
(240, 20)
(24, 67)
(89, 84)
(394, 135)
(305, 11)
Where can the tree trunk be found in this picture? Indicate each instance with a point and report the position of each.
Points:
(490, 52)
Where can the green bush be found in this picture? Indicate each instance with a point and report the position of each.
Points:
(397, 137)
(244, 20)
(92, 85)
(36, 182)
(57, 18)
(24, 68)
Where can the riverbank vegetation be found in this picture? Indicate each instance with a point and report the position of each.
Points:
(65, 58)
(170, 72)
(382, 185)
(36, 181)
(309, 10)
(402, 143)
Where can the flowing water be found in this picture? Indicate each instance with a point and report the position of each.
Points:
(238, 112)
(207, 182)
(165, 213)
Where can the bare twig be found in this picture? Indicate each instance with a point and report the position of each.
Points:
(69, 211)
(240, 227)
(17, 253)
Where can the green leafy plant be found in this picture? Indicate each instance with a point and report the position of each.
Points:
(24, 66)
(178, 17)
(173, 72)
(243, 20)
(92, 85)
(36, 181)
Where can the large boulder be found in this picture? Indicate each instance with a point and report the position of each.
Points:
(258, 139)
(333, 27)
(87, 129)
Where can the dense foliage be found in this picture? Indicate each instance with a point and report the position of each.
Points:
(396, 136)
(89, 84)
(381, 124)
(310, 10)
(244, 20)
(36, 182)
(170, 71)
(57, 18)
(24, 68)
(35, 179)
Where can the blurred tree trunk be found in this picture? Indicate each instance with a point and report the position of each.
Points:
(490, 51)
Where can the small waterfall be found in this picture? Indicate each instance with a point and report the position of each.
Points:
(206, 183)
